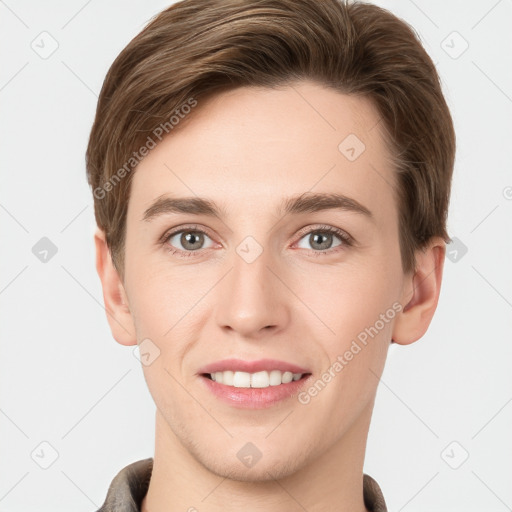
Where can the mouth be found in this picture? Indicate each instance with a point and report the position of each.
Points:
(255, 384)
(242, 390)
(260, 380)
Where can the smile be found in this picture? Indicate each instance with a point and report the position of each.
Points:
(263, 379)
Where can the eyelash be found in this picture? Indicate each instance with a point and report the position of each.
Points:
(344, 237)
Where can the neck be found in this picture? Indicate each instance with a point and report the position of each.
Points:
(332, 481)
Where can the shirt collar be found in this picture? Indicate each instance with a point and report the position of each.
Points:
(131, 484)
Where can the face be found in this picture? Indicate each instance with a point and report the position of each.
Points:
(307, 285)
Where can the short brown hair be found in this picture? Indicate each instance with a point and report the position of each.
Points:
(196, 48)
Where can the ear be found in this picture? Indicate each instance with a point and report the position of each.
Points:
(420, 294)
(114, 296)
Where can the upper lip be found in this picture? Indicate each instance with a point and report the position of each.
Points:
(251, 366)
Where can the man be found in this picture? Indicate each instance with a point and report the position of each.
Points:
(271, 183)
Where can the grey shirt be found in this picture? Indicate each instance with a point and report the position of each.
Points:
(130, 485)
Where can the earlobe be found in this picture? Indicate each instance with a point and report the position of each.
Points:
(114, 295)
(420, 294)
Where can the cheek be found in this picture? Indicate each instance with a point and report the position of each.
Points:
(354, 306)
(347, 299)
(167, 309)
(355, 353)
(163, 296)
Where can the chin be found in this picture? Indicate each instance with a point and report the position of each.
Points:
(269, 467)
(261, 471)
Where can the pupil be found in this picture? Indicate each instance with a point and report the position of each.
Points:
(325, 244)
(189, 239)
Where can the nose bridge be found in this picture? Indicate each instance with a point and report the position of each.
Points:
(249, 300)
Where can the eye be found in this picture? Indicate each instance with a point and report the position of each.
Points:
(186, 240)
(323, 239)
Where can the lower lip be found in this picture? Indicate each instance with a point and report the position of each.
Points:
(255, 398)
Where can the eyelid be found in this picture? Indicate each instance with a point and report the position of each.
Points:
(186, 227)
(345, 237)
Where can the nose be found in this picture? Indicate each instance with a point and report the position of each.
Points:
(251, 300)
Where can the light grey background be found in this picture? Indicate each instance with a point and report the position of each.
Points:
(65, 382)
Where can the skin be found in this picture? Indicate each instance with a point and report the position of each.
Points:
(246, 150)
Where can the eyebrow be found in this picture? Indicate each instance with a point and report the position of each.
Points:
(303, 203)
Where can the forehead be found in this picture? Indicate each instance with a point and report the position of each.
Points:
(244, 147)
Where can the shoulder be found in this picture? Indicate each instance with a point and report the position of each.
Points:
(128, 488)
(373, 497)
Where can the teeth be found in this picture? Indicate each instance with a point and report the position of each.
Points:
(262, 379)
